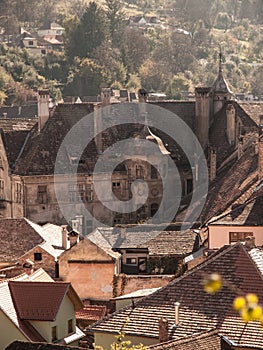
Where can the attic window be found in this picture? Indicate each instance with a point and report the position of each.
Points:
(239, 236)
(131, 261)
(37, 256)
(31, 43)
(42, 194)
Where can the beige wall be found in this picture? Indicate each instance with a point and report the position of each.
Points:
(92, 271)
(219, 235)
(105, 339)
(65, 313)
(8, 331)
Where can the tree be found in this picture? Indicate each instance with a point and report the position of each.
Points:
(116, 18)
(83, 37)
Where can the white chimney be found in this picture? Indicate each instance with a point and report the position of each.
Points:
(65, 238)
(42, 108)
(176, 313)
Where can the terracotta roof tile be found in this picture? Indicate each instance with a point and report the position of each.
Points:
(198, 311)
(38, 300)
(91, 313)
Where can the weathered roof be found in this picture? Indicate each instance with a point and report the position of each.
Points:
(26, 111)
(147, 237)
(205, 341)
(13, 142)
(199, 312)
(14, 235)
(137, 294)
(253, 109)
(235, 182)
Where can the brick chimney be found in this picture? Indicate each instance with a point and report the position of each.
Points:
(163, 330)
(202, 114)
(42, 108)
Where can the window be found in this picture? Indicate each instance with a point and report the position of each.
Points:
(77, 192)
(37, 256)
(154, 172)
(139, 172)
(31, 43)
(54, 333)
(239, 236)
(142, 264)
(1, 162)
(18, 193)
(116, 184)
(42, 194)
(70, 326)
(131, 261)
(43, 52)
(89, 193)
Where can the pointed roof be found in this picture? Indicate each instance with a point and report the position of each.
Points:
(199, 312)
(220, 85)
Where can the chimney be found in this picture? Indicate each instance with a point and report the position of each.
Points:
(65, 238)
(105, 96)
(163, 330)
(202, 114)
(176, 313)
(250, 242)
(231, 124)
(42, 108)
(260, 158)
(142, 95)
(212, 163)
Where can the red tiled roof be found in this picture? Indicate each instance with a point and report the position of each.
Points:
(38, 300)
(199, 311)
(91, 313)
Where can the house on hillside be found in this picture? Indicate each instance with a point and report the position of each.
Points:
(38, 312)
(156, 319)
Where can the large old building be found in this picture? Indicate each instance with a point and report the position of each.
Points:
(225, 129)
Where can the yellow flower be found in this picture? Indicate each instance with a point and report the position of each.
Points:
(213, 283)
(252, 298)
(256, 313)
(239, 303)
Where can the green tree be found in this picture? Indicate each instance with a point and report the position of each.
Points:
(116, 18)
(83, 37)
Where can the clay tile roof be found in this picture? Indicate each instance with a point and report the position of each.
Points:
(13, 148)
(20, 345)
(91, 313)
(38, 300)
(199, 312)
(16, 124)
(14, 235)
(206, 341)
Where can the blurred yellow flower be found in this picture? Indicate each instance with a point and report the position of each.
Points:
(213, 283)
